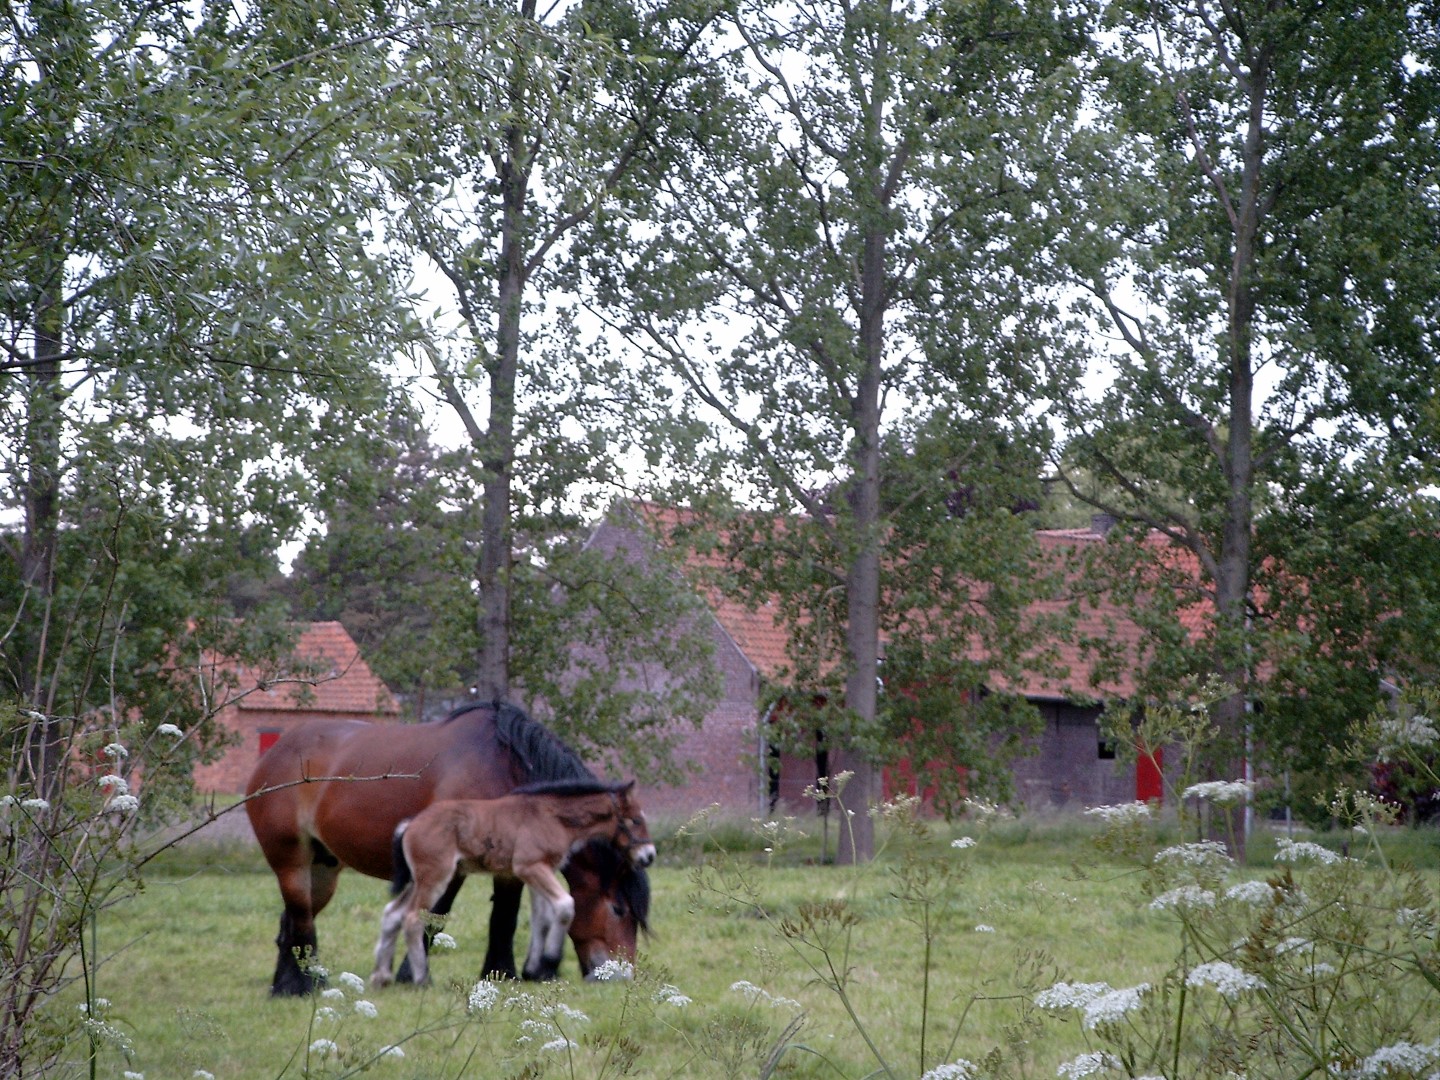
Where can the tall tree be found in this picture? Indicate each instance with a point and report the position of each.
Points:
(840, 264)
(190, 324)
(1262, 238)
(189, 320)
(585, 94)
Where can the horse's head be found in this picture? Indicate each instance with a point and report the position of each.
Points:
(632, 834)
(612, 905)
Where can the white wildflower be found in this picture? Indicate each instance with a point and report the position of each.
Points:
(984, 929)
(1064, 995)
(1088, 1065)
(561, 1043)
(963, 842)
(1398, 733)
(754, 993)
(333, 993)
(324, 1047)
(352, 982)
(565, 1012)
(1292, 851)
(366, 1009)
(115, 751)
(1203, 855)
(443, 940)
(326, 1012)
(483, 996)
(1293, 944)
(1186, 896)
(1112, 1006)
(1121, 813)
(392, 1052)
(1218, 791)
(671, 995)
(123, 804)
(111, 784)
(171, 730)
(1251, 892)
(202, 1074)
(960, 1069)
(35, 806)
(128, 1075)
(1398, 1059)
(101, 1032)
(1228, 979)
(614, 969)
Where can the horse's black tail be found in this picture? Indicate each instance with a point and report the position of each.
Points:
(401, 874)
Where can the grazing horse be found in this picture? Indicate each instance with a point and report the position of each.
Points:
(529, 833)
(330, 793)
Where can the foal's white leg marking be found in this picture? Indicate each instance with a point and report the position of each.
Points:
(415, 920)
(390, 922)
(542, 917)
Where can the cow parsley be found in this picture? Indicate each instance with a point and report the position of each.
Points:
(1292, 851)
(960, 1069)
(1121, 814)
(1064, 995)
(1088, 1065)
(1112, 1006)
(1219, 792)
(1186, 896)
(1228, 979)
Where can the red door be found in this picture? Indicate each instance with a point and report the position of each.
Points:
(1149, 775)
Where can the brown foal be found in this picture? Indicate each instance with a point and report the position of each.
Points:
(527, 834)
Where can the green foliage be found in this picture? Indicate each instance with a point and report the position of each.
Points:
(1256, 222)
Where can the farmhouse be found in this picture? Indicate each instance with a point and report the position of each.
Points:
(1070, 767)
(326, 678)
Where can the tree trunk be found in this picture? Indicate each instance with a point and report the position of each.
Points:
(862, 585)
(498, 453)
(1232, 582)
(38, 546)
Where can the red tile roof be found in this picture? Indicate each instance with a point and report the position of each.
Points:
(326, 674)
(1079, 670)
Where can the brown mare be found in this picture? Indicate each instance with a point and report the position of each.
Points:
(331, 793)
(529, 834)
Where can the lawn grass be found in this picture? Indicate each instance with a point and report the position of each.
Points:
(188, 964)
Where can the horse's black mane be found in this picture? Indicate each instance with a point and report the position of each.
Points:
(540, 755)
(581, 786)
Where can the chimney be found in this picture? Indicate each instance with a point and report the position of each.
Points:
(1101, 524)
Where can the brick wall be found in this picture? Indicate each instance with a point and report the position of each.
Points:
(1067, 770)
(722, 751)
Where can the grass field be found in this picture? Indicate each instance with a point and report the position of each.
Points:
(188, 962)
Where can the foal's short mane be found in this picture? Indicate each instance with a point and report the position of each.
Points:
(583, 786)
